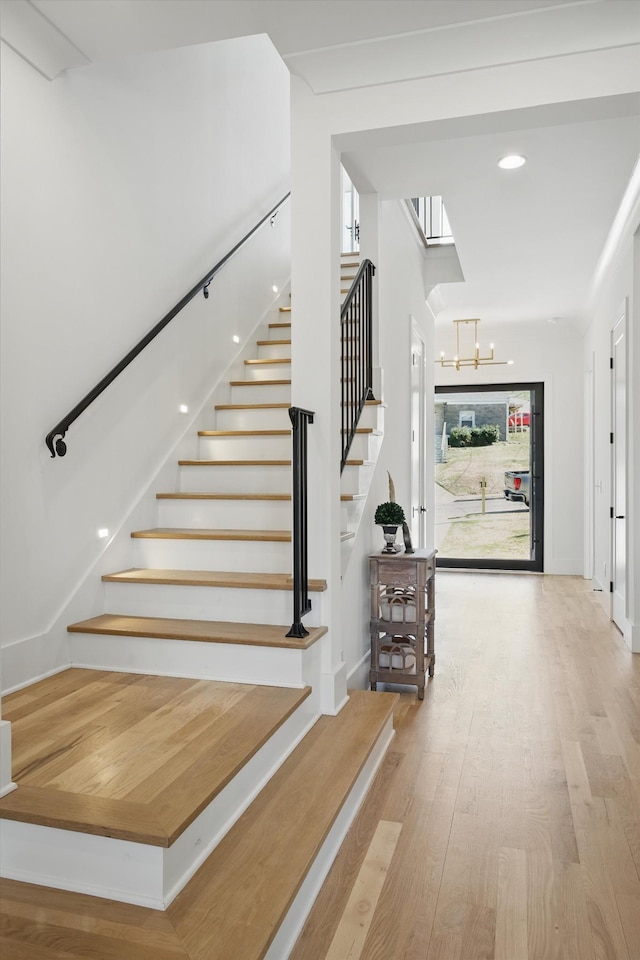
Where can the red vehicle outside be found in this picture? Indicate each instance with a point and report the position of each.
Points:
(519, 419)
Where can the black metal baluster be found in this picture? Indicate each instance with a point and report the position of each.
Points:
(300, 548)
(356, 350)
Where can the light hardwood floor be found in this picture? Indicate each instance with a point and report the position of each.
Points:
(516, 785)
(504, 823)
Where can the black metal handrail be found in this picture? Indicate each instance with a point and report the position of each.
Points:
(301, 602)
(357, 353)
(55, 438)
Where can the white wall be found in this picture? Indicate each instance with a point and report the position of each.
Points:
(617, 284)
(551, 354)
(323, 127)
(123, 184)
(401, 296)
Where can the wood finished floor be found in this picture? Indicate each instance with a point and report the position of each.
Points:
(516, 785)
(504, 823)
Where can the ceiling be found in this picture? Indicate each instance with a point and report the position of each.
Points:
(110, 28)
(528, 240)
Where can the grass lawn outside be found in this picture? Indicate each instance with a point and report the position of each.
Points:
(466, 466)
(493, 535)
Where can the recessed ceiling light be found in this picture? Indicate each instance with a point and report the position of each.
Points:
(512, 162)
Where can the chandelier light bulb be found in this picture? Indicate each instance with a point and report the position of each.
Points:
(476, 360)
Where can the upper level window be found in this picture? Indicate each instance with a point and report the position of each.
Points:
(350, 215)
(433, 219)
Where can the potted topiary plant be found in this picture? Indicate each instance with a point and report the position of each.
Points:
(390, 516)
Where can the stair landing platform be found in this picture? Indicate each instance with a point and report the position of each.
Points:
(125, 780)
(250, 897)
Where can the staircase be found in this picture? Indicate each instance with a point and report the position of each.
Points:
(183, 750)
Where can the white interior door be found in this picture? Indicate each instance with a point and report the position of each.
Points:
(418, 519)
(619, 486)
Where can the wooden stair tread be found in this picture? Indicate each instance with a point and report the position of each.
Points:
(259, 383)
(281, 325)
(234, 463)
(223, 496)
(203, 631)
(359, 463)
(252, 406)
(211, 578)
(244, 433)
(353, 496)
(211, 533)
(254, 873)
(271, 343)
(198, 734)
(268, 360)
(284, 309)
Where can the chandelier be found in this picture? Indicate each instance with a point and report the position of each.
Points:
(473, 361)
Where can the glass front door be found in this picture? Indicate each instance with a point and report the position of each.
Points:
(489, 476)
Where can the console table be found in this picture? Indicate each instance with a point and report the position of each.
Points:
(402, 618)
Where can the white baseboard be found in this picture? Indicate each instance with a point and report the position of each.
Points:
(571, 567)
(358, 676)
(6, 783)
(51, 656)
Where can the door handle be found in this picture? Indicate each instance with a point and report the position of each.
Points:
(620, 516)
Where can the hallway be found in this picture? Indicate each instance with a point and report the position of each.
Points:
(516, 785)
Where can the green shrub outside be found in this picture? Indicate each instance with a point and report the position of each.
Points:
(474, 436)
(460, 437)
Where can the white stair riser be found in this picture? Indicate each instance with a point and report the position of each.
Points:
(236, 556)
(280, 333)
(272, 351)
(137, 873)
(235, 479)
(235, 514)
(239, 663)
(263, 392)
(245, 448)
(362, 446)
(260, 419)
(350, 513)
(207, 603)
(268, 371)
(356, 479)
(372, 416)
